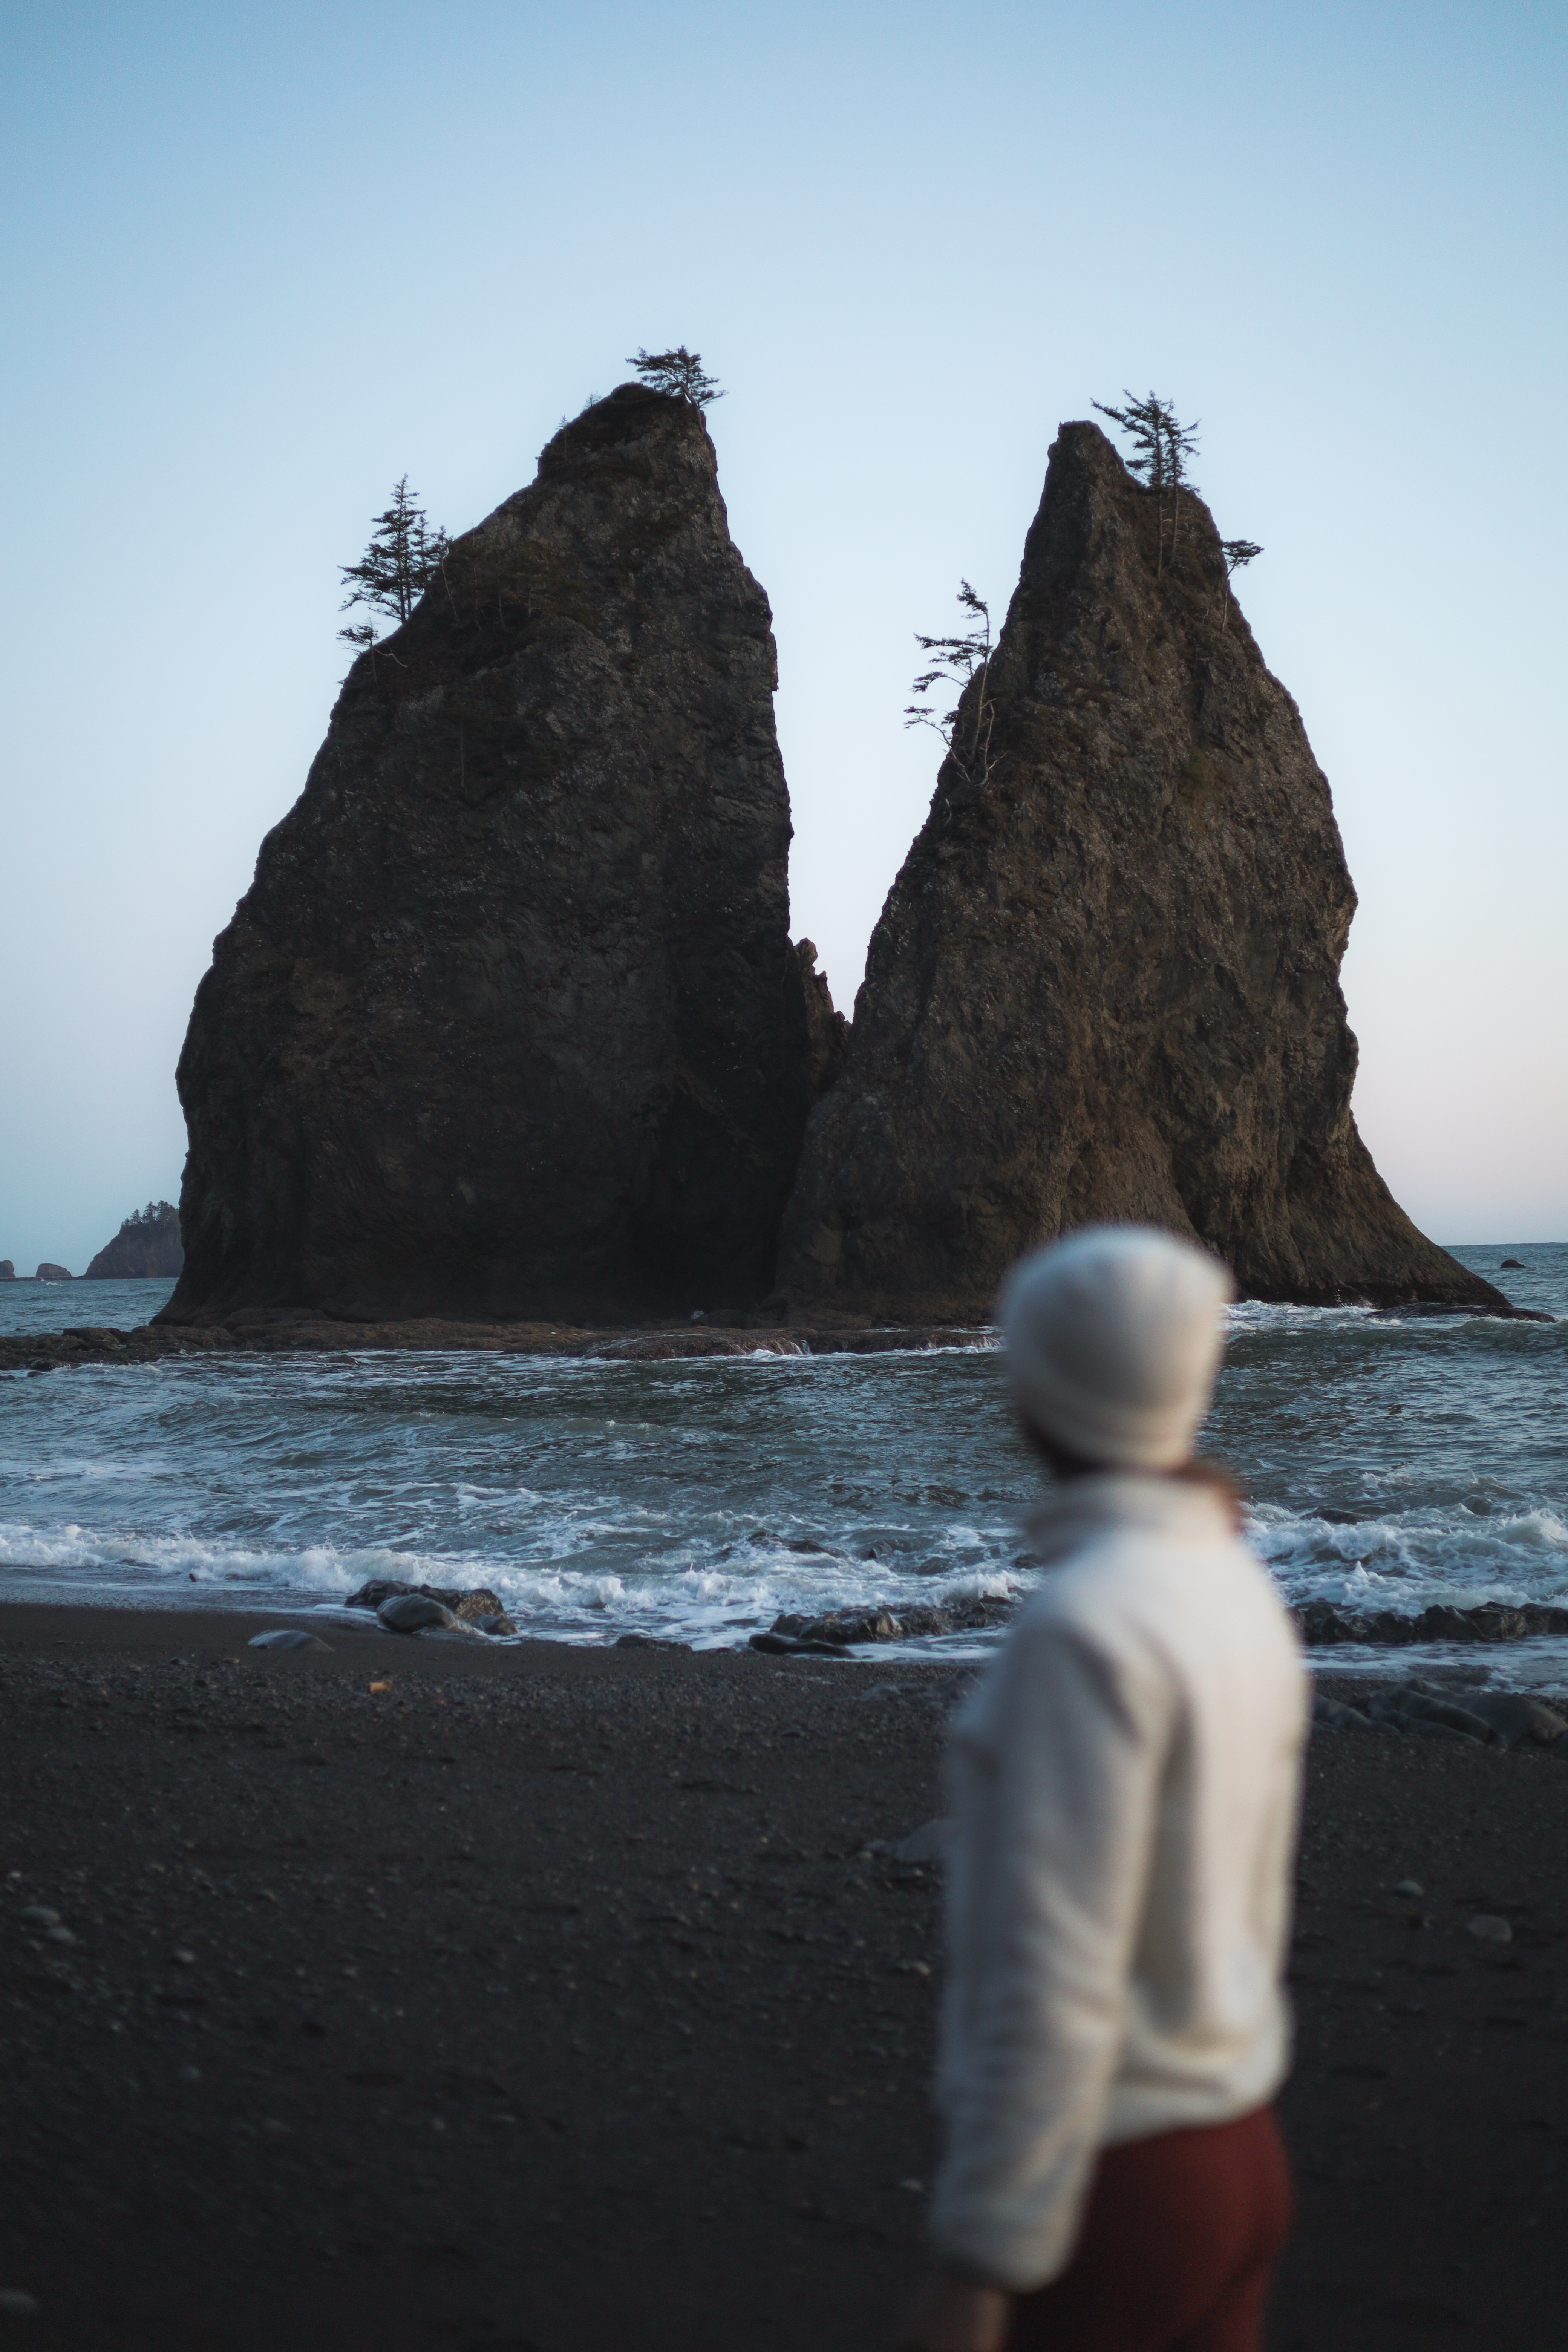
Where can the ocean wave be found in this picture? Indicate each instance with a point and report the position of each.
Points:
(1268, 1315)
(1416, 1558)
(1391, 1465)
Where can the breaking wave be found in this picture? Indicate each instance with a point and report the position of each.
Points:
(1389, 1463)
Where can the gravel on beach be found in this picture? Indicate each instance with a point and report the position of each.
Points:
(446, 1993)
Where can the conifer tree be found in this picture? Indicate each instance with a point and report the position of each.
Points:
(397, 568)
(679, 373)
(956, 662)
(1143, 422)
(1236, 551)
(1162, 445)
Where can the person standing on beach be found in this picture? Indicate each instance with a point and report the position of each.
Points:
(1124, 1788)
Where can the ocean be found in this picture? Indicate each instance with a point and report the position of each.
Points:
(1389, 1461)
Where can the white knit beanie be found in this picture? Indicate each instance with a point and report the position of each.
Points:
(1113, 1342)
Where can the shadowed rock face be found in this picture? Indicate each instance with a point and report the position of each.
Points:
(510, 1022)
(1105, 985)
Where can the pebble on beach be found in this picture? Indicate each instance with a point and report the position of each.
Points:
(410, 1612)
(420, 1609)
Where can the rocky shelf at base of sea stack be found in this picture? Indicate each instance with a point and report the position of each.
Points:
(87, 1343)
(724, 1333)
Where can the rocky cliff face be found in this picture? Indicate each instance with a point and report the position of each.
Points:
(1105, 985)
(147, 1244)
(827, 1031)
(510, 1022)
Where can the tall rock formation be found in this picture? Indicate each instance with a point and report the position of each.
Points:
(510, 1022)
(1105, 985)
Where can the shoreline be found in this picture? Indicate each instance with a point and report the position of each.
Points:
(1465, 1648)
(446, 1993)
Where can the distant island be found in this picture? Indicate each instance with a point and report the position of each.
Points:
(147, 1244)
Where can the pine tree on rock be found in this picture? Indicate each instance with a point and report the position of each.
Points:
(959, 665)
(403, 557)
(679, 374)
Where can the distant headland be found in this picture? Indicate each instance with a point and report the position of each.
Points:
(147, 1244)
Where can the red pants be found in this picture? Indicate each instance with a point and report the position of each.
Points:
(1173, 2255)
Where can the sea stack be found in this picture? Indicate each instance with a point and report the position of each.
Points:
(510, 1024)
(1105, 983)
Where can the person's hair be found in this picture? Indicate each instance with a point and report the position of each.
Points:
(1198, 1471)
(1217, 1475)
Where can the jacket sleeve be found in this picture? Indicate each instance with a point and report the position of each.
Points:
(1055, 1787)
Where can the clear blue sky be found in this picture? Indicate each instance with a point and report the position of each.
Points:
(258, 263)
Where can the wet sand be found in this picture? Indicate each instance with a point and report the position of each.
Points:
(555, 1997)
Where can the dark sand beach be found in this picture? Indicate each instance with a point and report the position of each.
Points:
(559, 1998)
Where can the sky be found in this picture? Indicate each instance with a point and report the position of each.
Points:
(257, 264)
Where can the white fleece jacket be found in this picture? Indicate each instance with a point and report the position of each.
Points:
(1124, 1786)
